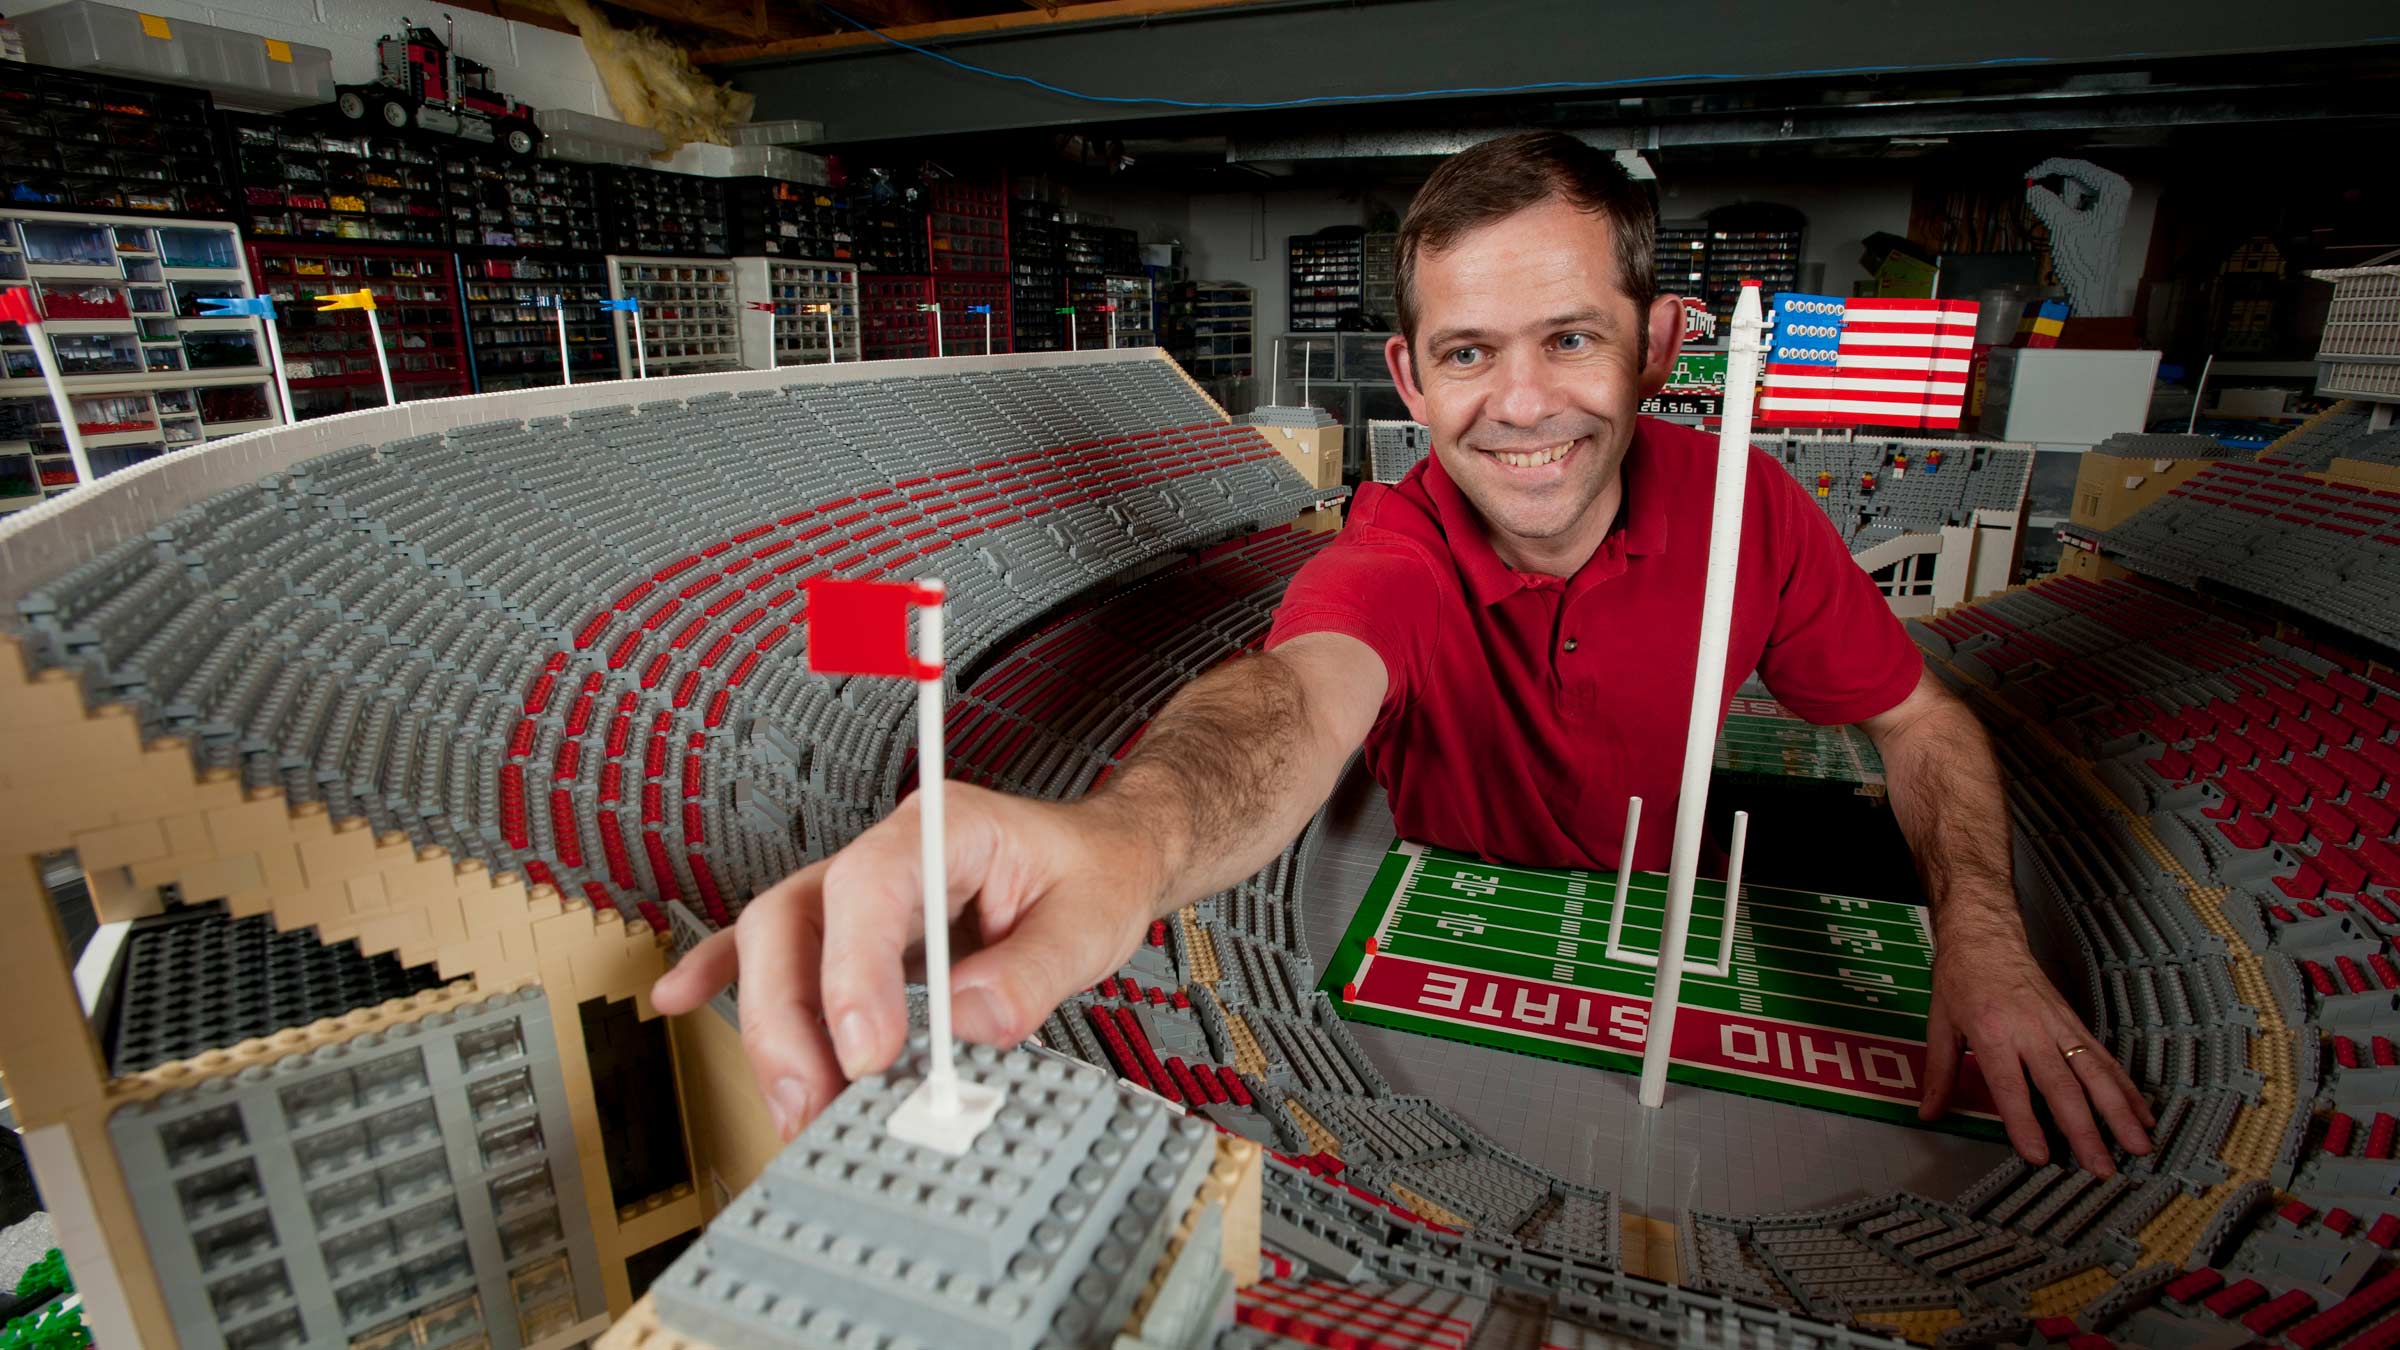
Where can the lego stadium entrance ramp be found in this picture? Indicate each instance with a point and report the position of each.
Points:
(1823, 1003)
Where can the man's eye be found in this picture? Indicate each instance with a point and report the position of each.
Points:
(1574, 342)
(1465, 356)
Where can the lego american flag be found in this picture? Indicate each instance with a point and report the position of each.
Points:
(1868, 361)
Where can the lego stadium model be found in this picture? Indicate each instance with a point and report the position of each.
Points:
(400, 752)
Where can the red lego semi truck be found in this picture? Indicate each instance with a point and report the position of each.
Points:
(421, 82)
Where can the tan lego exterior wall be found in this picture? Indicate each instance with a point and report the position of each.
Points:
(1315, 451)
(2364, 474)
(2108, 490)
(727, 1121)
(2074, 562)
(140, 817)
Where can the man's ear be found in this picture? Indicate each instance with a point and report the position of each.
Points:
(1666, 342)
(1403, 366)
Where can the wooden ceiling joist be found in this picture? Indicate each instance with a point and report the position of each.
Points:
(1036, 16)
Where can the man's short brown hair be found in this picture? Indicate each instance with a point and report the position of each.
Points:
(1501, 177)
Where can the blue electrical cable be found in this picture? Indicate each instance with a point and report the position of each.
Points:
(1463, 91)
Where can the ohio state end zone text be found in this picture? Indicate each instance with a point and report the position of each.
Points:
(1823, 1004)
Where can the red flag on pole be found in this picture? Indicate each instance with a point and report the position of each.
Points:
(16, 306)
(767, 305)
(861, 628)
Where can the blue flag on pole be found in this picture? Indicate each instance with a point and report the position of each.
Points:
(236, 307)
(629, 305)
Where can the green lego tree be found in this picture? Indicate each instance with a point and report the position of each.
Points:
(46, 1276)
(53, 1328)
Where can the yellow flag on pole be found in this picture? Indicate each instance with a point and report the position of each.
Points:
(358, 299)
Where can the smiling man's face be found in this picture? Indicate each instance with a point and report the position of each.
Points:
(1530, 364)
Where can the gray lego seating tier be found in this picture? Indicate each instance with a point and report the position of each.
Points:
(575, 645)
(2311, 523)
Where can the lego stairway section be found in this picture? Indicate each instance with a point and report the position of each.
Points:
(2309, 525)
(575, 646)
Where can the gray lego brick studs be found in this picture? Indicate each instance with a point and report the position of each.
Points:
(1041, 1234)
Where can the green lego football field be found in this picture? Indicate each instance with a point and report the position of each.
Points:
(1822, 1002)
(1763, 739)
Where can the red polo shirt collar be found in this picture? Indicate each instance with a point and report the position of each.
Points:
(1640, 528)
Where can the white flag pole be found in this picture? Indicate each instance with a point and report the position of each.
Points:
(283, 381)
(382, 362)
(931, 858)
(39, 335)
(832, 353)
(1744, 348)
(2200, 392)
(943, 1113)
(566, 366)
(641, 349)
(987, 330)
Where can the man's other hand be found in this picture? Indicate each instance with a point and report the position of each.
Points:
(821, 954)
(1988, 989)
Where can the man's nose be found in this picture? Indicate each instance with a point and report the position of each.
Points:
(1527, 393)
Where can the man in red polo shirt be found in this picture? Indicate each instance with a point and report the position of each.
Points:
(1510, 634)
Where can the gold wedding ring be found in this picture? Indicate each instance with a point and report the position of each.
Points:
(2072, 1051)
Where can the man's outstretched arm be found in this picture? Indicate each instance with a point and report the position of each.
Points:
(1947, 793)
(1225, 776)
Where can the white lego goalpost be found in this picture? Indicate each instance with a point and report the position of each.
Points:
(1746, 348)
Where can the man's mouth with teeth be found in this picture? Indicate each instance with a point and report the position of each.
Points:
(1532, 459)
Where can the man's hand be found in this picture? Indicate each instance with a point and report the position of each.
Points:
(1988, 989)
(1226, 775)
(1059, 904)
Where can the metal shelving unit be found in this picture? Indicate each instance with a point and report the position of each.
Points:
(1214, 325)
(327, 357)
(145, 371)
(1379, 295)
(688, 315)
(891, 324)
(513, 336)
(792, 286)
(1327, 277)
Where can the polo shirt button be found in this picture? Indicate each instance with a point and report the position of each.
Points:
(1570, 644)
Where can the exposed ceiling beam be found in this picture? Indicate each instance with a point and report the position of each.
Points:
(1031, 19)
(532, 12)
(2098, 110)
(889, 13)
(733, 18)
